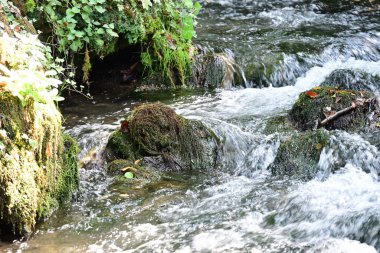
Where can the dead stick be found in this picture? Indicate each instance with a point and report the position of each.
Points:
(336, 115)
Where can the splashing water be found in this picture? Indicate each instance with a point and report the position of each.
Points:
(241, 207)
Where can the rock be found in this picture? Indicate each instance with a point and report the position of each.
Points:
(217, 70)
(314, 107)
(278, 124)
(298, 156)
(166, 141)
(348, 79)
(38, 167)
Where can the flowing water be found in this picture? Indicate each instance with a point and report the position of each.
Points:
(289, 44)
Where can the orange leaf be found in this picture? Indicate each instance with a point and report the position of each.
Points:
(311, 94)
(2, 84)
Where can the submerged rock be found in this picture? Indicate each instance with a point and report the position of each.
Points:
(299, 155)
(38, 167)
(348, 79)
(332, 108)
(166, 141)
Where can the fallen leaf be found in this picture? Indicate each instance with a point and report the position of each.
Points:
(137, 162)
(124, 126)
(329, 113)
(3, 84)
(129, 175)
(377, 124)
(319, 146)
(311, 94)
(128, 169)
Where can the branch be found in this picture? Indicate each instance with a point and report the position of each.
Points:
(337, 114)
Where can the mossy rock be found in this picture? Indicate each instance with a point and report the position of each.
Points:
(311, 106)
(38, 168)
(170, 141)
(349, 79)
(132, 172)
(216, 70)
(299, 155)
(278, 124)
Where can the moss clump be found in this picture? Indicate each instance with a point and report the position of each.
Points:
(37, 164)
(311, 105)
(279, 124)
(171, 141)
(121, 146)
(299, 155)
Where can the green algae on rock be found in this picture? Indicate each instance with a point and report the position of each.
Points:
(38, 168)
(165, 140)
(318, 104)
(298, 156)
(37, 164)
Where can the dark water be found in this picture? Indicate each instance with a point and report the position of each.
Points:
(291, 45)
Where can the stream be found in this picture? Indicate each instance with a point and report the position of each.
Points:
(285, 47)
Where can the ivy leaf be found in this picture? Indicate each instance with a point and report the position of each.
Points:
(100, 9)
(75, 9)
(146, 4)
(112, 33)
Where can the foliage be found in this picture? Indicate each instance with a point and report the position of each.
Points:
(27, 68)
(164, 28)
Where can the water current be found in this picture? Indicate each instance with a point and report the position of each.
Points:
(285, 47)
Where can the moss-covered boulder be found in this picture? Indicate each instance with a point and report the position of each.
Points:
(166, 141)
(349, 79)
(278, 124)
(332, 108)
(38, 168)
(298, 156)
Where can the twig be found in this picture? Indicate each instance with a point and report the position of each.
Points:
(336, 115)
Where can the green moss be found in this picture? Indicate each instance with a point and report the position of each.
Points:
(299, 155)
(155, 130)
(122, 146)
(37, 164)
(278, 124)
(307, 110)
(116, 166)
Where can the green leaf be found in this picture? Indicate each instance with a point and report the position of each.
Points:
(129, 175)
(71, 36)
(79, 34)
(100, 31)
(100, 9)
(75, 9)
(99, 42)
(188, 3)
(112, 33)
(197, 8)
(146, 4)
(69, 13)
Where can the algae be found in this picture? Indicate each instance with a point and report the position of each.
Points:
(167, 140)
(298, 156)
(308, 110)
(37, 164)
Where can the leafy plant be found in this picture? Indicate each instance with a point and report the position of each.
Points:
(165, 30)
